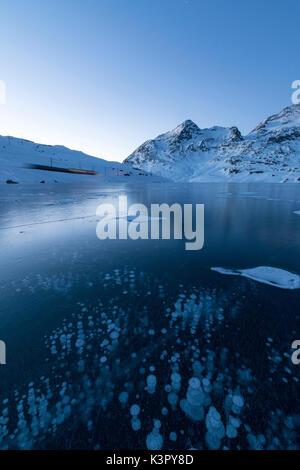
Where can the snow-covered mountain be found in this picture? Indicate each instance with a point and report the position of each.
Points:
(17, 154)
(271, 152)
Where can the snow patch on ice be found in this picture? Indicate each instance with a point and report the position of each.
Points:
(267, 275)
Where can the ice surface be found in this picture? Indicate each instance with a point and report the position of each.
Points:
(137, 218)
(267, 275)
(68, 201)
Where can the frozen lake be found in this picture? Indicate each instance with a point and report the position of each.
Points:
(140, 344)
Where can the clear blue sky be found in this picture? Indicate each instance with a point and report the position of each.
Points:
(102, 76)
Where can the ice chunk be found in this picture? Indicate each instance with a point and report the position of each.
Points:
(267, 275)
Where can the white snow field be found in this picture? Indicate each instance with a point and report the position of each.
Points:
(267, 275)
(17, 154)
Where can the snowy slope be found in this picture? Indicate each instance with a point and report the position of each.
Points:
(17, 154)
(271, 152)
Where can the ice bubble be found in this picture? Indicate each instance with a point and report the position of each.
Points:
(157, 423)
(79, 343)
(63, 339)
(175, 377)
(176, 381)
(214, 424)
(212, 441)
(231, 431)
(194, 412)
(173, 399)
(238, 400)
(237, 404)
(135, 410)
(195, 397)
(154, 440)
(135, 424)
(254, 442)
(151, 383)
(114, 335)
(206, 385)
(197, 368)
(90, 425)
(194, 383)
(123, 397)
(234, 421)
(173, 436)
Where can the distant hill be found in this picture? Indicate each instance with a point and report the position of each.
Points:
(16, 155)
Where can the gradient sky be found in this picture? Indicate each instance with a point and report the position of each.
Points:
(103, 76)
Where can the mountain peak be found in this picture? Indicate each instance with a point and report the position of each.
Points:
(288, 117)
(186, 130)
(187, 124)
(234, 135)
